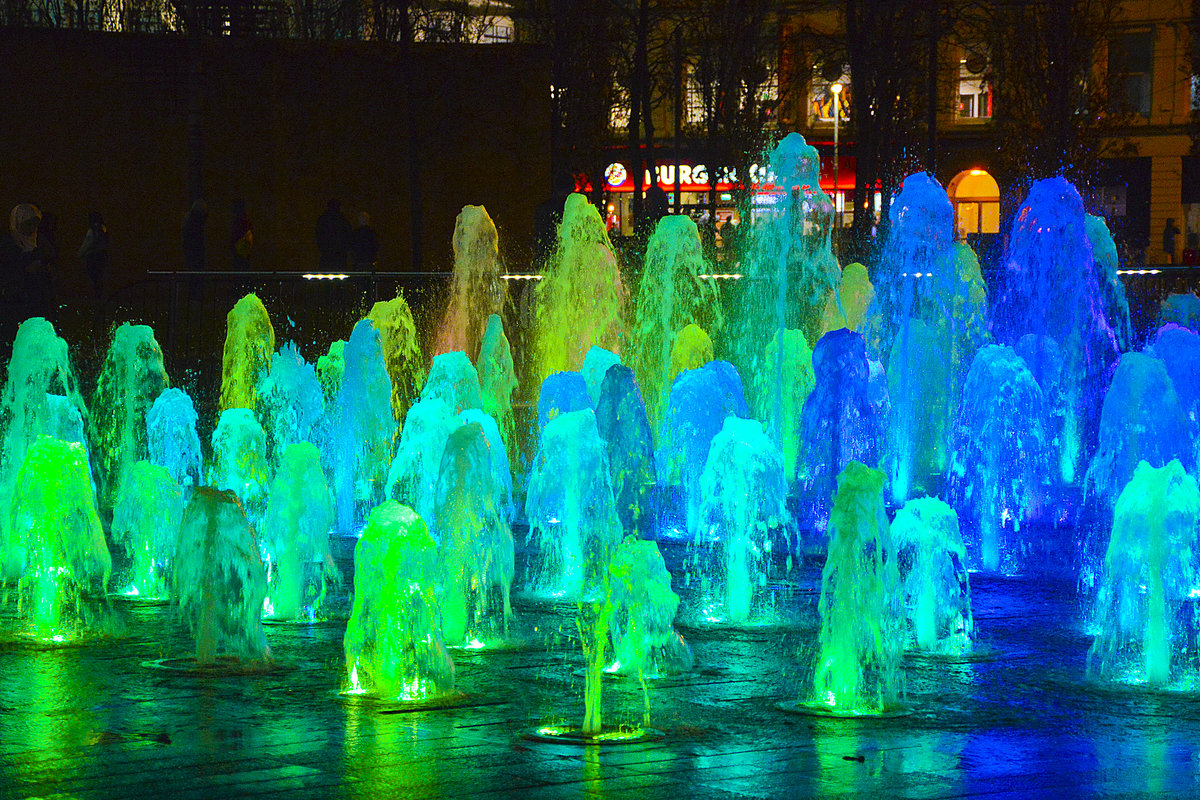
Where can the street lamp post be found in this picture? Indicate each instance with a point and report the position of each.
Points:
(837, 113)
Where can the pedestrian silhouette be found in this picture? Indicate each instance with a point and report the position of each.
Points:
(94, 252)
(333, 237)
(364, 244)
(241, 236)
(193, 235)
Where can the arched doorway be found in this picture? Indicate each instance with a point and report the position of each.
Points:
(976, 198)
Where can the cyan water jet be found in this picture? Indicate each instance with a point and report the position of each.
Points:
(412, 476)
(741, 518)
(292, 402)
(471, 518)
(1149, 582)
(240, 460)
(1000, 461)
(933, 577)
(295, 536)
(360, 447)
(146, 520)
(171, 439)
(571, 511)
(1141, 420)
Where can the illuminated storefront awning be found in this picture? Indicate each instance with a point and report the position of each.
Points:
(695, 177)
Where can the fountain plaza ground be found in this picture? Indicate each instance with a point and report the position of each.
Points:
(96, 720)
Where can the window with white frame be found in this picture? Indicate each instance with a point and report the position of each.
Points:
(974, 93)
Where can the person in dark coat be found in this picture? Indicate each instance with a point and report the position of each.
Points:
(22, 274)
(193, 235)
(94, 252)
(547, 217)
(364, 244)
(1170, 231)
(241, 236)
(333, 237)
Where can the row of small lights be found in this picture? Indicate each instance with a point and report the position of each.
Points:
(732, 276)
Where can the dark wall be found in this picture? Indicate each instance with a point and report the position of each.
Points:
(97, 121)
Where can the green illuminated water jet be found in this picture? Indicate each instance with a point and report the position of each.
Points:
(219, 578)
(53, 514)
(580, 301)
(672, 296)
(497, 378)
(393, 643)
(401, 352)
(642, 629)
(781, 410)
(145, 524)
(132, 379)
(249, 343)
(477, 291)
(40, 384)
(862, 638)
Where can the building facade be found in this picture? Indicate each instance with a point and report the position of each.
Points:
(1146, 182)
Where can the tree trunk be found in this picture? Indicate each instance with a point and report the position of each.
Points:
(195, 117)
(414, 153)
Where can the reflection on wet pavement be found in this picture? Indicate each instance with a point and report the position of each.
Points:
(91, 720)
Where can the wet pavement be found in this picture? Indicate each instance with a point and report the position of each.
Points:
(95, 720)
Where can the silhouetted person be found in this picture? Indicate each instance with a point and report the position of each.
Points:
(193, 235)
(547, 217)
(364, 244)
(655, 208)
(1170, 231)
(1191, 250)
(23, 275)
(47, 241)
(241, 236)
(94, 252)
(333, 237)
(729, 240)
